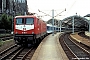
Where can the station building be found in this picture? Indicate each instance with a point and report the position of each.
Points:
(12, 7)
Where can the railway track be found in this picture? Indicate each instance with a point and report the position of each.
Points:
(22, 54)
(17, 53)
(72, 49)
(6, 37)
(3, 52)
(8, 52)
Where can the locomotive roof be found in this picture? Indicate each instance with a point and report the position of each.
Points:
(25, 16)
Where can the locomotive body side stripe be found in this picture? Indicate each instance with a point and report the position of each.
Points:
(24, 27)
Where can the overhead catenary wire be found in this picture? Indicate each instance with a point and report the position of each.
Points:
(71, 7)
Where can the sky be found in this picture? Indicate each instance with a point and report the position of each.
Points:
(81, 7)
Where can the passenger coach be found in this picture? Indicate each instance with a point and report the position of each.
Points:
(27, 29)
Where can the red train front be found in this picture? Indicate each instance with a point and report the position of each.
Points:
(28, 29)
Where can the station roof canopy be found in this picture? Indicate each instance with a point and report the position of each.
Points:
(88, 15)
(78, 21)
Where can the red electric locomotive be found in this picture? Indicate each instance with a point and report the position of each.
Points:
(27, 29)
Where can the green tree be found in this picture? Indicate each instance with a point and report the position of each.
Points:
(5, 22)
(9, 22)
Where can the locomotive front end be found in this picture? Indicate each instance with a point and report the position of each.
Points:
(23, 29)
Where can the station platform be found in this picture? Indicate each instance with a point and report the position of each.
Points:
(87, 33)
(80, 39)
(50, 49)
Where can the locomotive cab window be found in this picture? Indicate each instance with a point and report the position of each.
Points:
(19, 21)
(30, 21)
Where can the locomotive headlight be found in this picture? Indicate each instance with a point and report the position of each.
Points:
(32, 32)
(16, 32)
(22, 32)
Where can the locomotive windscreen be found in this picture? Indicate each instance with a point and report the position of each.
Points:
(29, 21)
(19, 21)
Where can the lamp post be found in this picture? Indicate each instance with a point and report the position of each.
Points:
(53, 21)
(13, 14)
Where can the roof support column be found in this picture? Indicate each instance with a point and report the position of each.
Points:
(73, 25)
(89, 25)
(60, 25)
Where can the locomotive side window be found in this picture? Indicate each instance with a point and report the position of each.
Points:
(30, 21)
(38, 21)
(19, 21)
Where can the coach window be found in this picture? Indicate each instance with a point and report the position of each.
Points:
(30, 21)
(19, 20)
